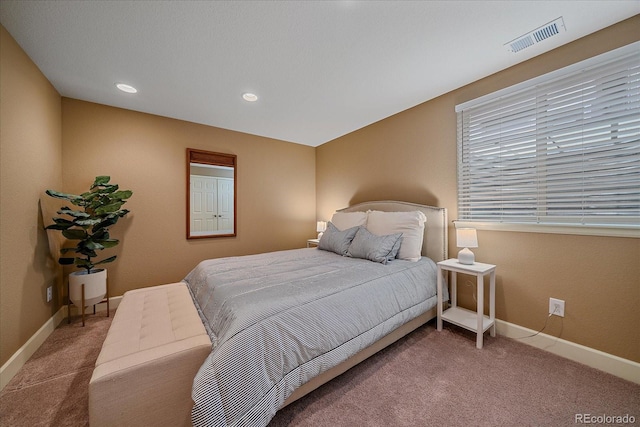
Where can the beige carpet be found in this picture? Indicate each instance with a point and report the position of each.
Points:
(426, 379)
(432, 378)
(51, 388)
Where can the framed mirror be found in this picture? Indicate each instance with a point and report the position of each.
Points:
(211, 194)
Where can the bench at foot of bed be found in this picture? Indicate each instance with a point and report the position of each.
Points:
(145, 370)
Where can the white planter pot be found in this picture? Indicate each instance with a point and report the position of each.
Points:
(95, 287)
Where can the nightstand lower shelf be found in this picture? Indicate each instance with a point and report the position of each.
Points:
(473, 320)
(466, 319)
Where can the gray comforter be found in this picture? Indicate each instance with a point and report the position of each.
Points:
(278, 319)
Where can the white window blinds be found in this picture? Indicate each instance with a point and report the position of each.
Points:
(563, 149)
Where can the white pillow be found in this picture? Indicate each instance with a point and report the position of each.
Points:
(410, 224)
(345, 220)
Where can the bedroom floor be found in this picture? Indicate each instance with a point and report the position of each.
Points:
(432, 378)
(425, 379)
(51, 389)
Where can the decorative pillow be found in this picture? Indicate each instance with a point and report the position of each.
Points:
(344, 220)
(334, 240)
(366, 245)
(410, 224)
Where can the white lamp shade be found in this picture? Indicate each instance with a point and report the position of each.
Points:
(466, 238)
(321, 226)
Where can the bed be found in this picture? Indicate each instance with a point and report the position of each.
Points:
(282, 323)
(269, 327)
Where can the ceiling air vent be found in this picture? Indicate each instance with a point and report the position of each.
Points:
(551, 29)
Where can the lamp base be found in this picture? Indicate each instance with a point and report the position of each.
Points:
(465, 256)
(320, 235)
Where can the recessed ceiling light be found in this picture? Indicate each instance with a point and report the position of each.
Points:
(126, 88)
(251, 97)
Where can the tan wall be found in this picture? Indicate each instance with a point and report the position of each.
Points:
(141, 152)
(147, 154)
(30, 160)
(412, 156)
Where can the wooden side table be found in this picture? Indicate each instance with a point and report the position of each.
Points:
(473, 321)
(82, 309)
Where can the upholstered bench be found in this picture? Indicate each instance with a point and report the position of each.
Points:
(145, 370)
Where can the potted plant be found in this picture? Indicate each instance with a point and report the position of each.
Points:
(99, 209)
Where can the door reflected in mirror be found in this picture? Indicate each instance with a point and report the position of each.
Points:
(211, 194)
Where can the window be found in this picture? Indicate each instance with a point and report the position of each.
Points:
(561, 149)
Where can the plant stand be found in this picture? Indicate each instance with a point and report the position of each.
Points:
(83, 305)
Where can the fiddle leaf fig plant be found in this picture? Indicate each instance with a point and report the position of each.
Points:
(99, 209)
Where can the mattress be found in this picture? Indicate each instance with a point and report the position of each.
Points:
(278, 319)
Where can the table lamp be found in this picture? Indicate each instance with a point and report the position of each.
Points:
(321, 226)
(466, 238)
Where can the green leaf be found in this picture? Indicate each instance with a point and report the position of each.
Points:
(83, 263)
(65, 196)
(76, 214)
(101, 234)
(107, 260)
(108, 243)
(74, 234)
(87, 222)
(100, 180)
(123, 194)
(89, 196)
(66, 261)
(110, 188)
(62, 221)
(102, 200)
(93, 246)
(73, 198)
(58, 226)
(108, 208)
(90, 253)
(106, 222)
(65, 250)
(104, 190)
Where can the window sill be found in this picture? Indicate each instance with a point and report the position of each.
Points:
(585, 230)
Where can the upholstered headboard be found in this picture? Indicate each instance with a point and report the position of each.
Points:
(435, 242)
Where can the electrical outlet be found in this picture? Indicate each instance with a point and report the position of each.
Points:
(556, 307)
(49, 293)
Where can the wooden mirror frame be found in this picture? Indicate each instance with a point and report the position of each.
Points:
(213, 159)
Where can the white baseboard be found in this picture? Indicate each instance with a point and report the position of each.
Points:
(20, 357)
(623, 368)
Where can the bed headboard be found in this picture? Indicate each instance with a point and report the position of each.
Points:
(435, 242)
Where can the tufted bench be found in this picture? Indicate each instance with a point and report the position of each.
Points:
(145, 370)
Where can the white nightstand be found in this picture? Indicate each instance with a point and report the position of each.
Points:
(474, 321)
(312, 242)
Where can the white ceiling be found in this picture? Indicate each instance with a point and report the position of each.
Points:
(322, 69)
